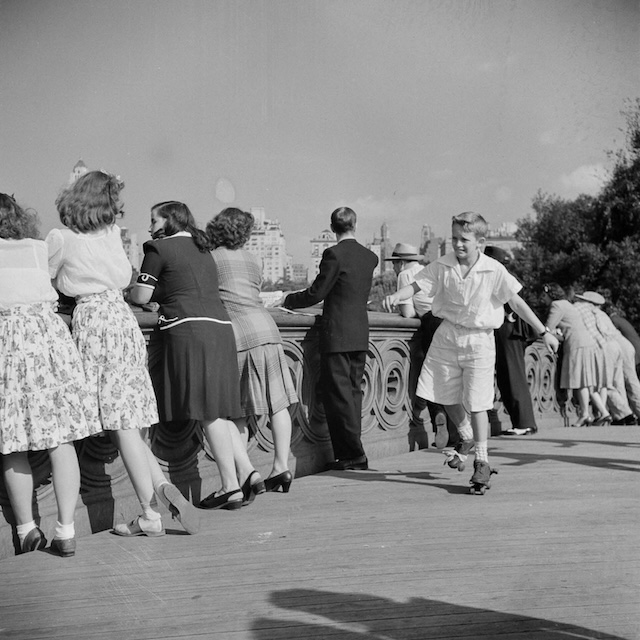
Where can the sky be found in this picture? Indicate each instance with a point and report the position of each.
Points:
(408, 111)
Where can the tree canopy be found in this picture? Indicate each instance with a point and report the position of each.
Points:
(592, 242)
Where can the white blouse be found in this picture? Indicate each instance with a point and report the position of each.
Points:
(24, 276)
(86, 263)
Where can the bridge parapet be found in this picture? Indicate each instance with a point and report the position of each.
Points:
(391, 370)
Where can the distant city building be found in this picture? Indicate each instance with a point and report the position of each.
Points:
(325, 240)
(131, 247)
(431, 247)
(383, 248)
(267, 242)
(78, 170)
(299, 272)
(504, 236)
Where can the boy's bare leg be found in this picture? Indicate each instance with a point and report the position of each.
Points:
(460, 418)
(456, 458)
(480, 426)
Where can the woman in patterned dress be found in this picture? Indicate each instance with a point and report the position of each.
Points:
(88, 262)
(44, 401)
(265, 381)
(192, 353)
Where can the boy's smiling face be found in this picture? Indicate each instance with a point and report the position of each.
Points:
(465, 245)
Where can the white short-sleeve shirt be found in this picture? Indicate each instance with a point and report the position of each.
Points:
(86, 263)
(24, 276)
(474, 301)
(420, 301)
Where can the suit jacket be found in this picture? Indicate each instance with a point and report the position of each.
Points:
(344, 283)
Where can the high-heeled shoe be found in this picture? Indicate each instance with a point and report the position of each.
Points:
(283, 480)
(252, 489)
(602, 421)
(583, 422)
(222, 501)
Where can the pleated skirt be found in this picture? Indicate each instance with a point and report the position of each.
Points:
(44, 399)
(579, 367)
(194, 370)
(266, 386)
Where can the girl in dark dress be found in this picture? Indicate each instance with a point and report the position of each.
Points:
(192, 352)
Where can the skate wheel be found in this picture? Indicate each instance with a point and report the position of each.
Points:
(461, 466)
(477, 490)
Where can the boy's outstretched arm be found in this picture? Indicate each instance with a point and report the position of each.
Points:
(521, 308)
(392, 300)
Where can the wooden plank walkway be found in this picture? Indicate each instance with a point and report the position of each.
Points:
(398, 552)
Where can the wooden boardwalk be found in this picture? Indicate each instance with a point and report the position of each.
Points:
(401, 551)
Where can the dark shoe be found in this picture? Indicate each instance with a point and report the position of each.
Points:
(65, 548)
(602, 421)
(180, 508)
(223, 501)
(629, 420)
(33, 541)
(252, 489)
(442, 433)
(356, 464)
(283, 480)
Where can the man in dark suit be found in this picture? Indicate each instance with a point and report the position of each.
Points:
(344, 283)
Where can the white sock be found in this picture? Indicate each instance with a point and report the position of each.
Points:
(149, 513)
(23, 529)
(481, 451)
(65, 531)
(465, 430)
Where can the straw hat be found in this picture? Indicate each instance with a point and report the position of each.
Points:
(590, 296)
(403, 251)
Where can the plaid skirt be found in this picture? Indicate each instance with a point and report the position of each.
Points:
(266, 386)
(44, 400)
(114, 356)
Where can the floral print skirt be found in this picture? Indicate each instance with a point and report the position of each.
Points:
(44, 400)
(114, 355)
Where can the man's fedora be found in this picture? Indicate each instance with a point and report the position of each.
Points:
(403, 251)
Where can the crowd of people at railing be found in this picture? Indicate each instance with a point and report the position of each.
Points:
(215, 357)
(216, 354)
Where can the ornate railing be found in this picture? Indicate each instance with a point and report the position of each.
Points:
(389, 380)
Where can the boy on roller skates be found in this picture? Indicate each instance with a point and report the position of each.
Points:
(469, 292)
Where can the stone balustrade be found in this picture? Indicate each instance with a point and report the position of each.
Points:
(389, 379)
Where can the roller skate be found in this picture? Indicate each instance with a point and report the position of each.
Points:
(456, 457)
(481, 478)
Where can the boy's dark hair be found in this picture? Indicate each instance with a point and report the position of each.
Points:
(471, 222)
(178, 218)
(343, 220)
(16, 223)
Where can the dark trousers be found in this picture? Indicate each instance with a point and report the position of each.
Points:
(511, 377)
(428, 326)
(341, 381)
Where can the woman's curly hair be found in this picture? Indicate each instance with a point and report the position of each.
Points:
(231, 228)
(91, 203)
(17, 223)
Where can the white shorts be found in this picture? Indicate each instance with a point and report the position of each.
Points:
(459, 368)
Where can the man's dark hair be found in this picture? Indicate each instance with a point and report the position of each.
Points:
(343, 220)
